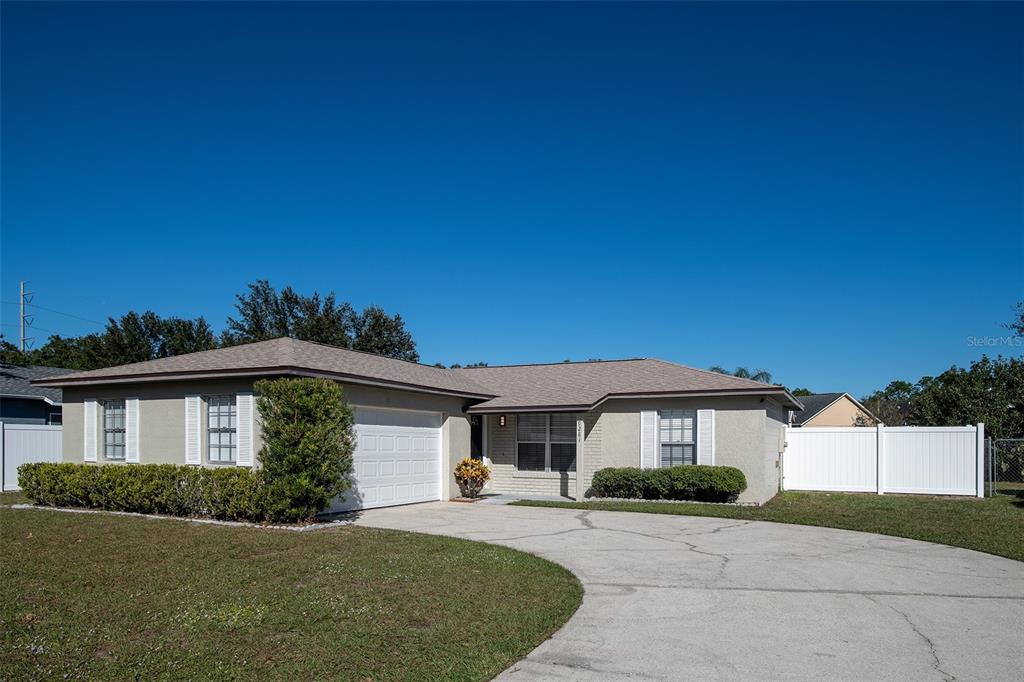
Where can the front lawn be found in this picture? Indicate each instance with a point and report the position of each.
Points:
(14, 497)
(86, 596)
(994, 525)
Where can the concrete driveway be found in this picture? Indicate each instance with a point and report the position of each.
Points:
(674, 597)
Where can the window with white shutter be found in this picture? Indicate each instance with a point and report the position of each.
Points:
(221, 429)
(677, 437)
(113, 429)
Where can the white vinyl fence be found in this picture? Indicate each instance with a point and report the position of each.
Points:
(888, 459)
(23, 443)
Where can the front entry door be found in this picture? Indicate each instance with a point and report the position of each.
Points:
(476, 437)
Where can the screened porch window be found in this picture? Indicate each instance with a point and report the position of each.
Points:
(546, 442)
(677, 431)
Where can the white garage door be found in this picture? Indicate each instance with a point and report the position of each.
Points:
(397, 459)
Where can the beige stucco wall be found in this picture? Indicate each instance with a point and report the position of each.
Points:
(748, 432)
(776, 417)
(740, 436)
(748, 436)
(843, 412)
(162, 418)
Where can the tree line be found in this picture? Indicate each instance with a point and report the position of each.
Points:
(262, 313)
(991, 391)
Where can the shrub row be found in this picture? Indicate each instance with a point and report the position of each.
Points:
(687, 482)
(232, 494)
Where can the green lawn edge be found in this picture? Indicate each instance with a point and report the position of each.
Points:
(994, 525)
(108, 597)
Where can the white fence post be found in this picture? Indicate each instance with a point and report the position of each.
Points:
(981, 459)
(880, 450)
(782, 459)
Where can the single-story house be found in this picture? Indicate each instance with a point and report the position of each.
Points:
(831, 409)
(543, 429)
(21, 402)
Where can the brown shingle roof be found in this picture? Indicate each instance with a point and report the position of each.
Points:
(585, 384)
(574, 385)
(285, 356)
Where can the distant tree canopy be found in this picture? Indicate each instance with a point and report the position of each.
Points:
(374, 331)
(1017, 324)
(989, 391)
(132, 338)
(797, 392)
(262, 313)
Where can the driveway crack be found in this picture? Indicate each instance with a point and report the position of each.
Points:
(936, 663)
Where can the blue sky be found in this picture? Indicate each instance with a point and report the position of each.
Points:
(831, 192)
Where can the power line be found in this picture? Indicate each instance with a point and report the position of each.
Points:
(77, 317)
(49, 331)
(59, 312)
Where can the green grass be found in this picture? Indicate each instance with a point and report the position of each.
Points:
(86, 596)
(13, 498)
(994, 525)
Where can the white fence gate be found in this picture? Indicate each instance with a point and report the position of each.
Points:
(23, 443)
(888, 459)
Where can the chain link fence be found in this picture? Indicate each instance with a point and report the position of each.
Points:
(1006, 468)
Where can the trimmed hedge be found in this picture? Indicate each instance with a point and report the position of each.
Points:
(686, 482)
(231, 494)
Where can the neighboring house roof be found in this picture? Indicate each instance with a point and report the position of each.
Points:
(15, 382)
(285, 356)
(563, 386)
(584, 385)
(816, 403)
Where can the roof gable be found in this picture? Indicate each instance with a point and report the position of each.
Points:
(813, 405)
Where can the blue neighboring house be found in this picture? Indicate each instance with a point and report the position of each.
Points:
(23, 403)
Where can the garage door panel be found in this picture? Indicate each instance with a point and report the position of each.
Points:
(397, 459)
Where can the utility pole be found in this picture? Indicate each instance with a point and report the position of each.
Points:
(23, 319)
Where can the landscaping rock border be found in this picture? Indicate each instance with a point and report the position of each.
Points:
(638, 499)
(319, 525)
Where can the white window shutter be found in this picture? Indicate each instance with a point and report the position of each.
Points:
(131, 429)
(90, 417)
(705, 436)
(245, 408)
(193, 429)
(649, 439)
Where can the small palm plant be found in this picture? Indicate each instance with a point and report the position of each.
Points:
(762, 375)
(471, 474)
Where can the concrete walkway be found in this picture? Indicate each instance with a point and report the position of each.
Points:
(673, 598)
